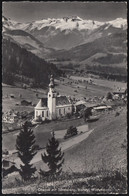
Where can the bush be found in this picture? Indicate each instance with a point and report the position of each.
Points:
(36, 147)
(77, 114)
(87, 113)
(29, 124)
(71, 132)
(109, 95)
(47, 120)
(68, 115)
(117, 114)
(39, 119)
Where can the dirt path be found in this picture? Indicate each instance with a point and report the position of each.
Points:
(64, 146)
(75, 140)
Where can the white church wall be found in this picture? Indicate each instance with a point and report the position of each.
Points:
(44, 114)
(60, 112)
(52, 103)
(63, 110)
(69, 109)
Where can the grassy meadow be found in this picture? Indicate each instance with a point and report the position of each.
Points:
(105, 149)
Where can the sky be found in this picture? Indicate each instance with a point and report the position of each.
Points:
(31, 11)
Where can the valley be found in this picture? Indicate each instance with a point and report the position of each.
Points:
(88, 61)
(74, 86)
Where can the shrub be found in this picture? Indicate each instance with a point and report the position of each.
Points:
(47, 120)
(71, 132)
(29, 124)
(68, 115)
(87, 113)
(117, 114)
(109, 96)
(39, 119)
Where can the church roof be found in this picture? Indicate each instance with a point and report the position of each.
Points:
(62, 100)
(80, 102)
(42, 103)
(51, 85)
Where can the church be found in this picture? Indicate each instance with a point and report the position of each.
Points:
(54, 106)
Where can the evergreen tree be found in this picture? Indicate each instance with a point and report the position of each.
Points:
(54, 158)
(87, 113)
(25, 145)
(109, 95)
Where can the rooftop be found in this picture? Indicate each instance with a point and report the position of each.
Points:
(42, 103)
(62, 100)
(80, 102)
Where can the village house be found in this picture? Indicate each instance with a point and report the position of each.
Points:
(54, 106)
(12, 96)
(9, 117)
(79, 105)
(8, 167)
(26, 103)
(6, 163)
(120, 94)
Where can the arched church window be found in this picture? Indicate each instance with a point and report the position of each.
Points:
(59, 111)
(47, 113)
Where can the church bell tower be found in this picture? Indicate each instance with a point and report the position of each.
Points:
(52, 99)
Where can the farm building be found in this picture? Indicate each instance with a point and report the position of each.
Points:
(102, 108)
(26, 103)
(7, 163)
(79, 105)
(122, 94)
(12, 96)
(54, 106)
(8, 167)
(9, 117)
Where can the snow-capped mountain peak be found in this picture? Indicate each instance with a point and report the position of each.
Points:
(71, 31)
(119, 22)
(65, 23)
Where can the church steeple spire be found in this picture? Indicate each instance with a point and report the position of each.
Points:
(51, 85)
(52, 98)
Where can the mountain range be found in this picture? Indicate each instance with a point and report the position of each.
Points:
(65, 33)
(72, 40)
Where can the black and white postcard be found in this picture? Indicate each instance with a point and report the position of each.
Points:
(64, 97)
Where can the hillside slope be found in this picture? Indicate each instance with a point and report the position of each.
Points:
(106, 56)
(20, 65)
(27, 41)
(114, 43)
(105, 148)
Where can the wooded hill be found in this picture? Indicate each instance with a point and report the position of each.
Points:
(20, 65)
